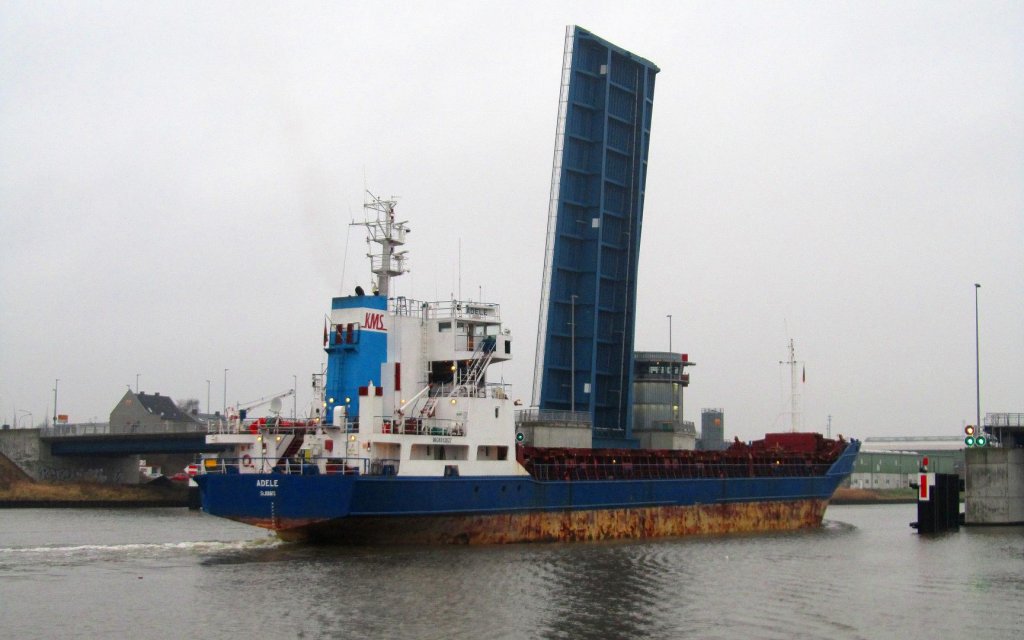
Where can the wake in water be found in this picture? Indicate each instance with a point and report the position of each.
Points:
(65, 555)
(837, 526)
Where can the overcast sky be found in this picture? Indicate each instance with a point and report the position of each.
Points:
(177, 179)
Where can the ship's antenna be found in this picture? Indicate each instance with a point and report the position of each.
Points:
(344, 262)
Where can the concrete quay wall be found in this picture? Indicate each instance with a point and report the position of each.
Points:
(995, 486)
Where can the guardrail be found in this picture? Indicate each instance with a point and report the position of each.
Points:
(105, 429)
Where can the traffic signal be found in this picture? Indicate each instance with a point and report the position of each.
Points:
(969, 431)
(974, 439)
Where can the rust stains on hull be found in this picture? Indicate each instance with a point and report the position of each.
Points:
(562, 526)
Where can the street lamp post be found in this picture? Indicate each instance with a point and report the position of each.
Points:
(572, 355)
(670, 333)
(225, 393)
(137, 382)
(207, 397)
(977, 359)
(295, 396)
(55, 401)
(25, 412)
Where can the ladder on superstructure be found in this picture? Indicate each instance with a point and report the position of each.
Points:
(482, 357)
(431, 404)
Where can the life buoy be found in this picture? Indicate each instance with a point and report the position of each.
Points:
(247, 460)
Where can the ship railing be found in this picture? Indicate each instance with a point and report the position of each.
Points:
(283, 426)
(297, 465)
(421, 426)
(669, 471)
(490, 390)
(447, 309)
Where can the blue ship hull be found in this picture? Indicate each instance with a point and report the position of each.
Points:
(353, 508)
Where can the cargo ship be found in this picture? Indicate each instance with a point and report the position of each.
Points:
(412, 443)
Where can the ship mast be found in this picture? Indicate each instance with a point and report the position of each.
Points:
(794, 395)
(385, 262)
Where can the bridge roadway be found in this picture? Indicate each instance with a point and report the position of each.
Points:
(97, 440)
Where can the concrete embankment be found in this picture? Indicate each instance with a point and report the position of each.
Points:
(45, 494)
(17, 489)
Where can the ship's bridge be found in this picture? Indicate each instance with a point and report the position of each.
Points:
(457, 330)
(446, 344)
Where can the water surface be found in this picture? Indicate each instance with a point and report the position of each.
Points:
(171, 573)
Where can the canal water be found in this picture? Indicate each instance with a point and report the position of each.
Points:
(171, 573)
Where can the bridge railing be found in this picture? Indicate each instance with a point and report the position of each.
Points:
(104, 429)
(1003, 420)
(565, 418)
(64, 430)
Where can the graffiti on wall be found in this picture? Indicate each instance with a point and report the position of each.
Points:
(65, 474)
